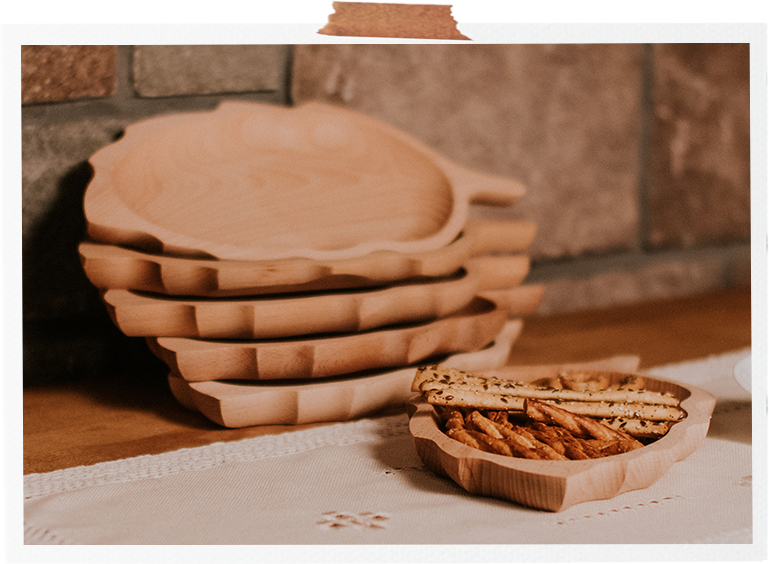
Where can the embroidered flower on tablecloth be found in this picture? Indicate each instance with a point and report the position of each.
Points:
(348, 520)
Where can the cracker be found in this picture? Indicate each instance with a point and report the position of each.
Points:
(598, 409)
(441, 378)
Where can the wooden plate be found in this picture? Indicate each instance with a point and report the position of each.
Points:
(262, 182)
(470, 329)
(244, 404)
(119, 268)
(556, 485)
(290, 315)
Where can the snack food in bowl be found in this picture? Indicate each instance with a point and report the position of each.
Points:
(552, 442)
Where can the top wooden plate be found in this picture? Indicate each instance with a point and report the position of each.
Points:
(261, 182)
(556, 485)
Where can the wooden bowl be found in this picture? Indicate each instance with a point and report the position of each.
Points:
(295, 402)
(557, 485)
(120, 268)
(263, 182)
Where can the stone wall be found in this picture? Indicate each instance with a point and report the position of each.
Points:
(636, 157)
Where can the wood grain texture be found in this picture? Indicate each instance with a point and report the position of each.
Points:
(110, 416)
(660, 332)
(271, 316)
(262, 182)
(120, 268)
(520, 301)
(557, 485)
(470, 329)
(245, 404)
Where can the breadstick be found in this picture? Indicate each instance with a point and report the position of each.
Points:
(496, 445)
(477, 400)
(485, 425)
(520, 450)
(515, 435)
(454, 419)
(525, 437)
(540, 411)
(605, 409)
(464, 436)
(639, 428)
(445, 376)
(568, 420)
(575, 448)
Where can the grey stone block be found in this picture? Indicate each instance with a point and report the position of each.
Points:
(173, 70)
(665, 279)
(55, 174)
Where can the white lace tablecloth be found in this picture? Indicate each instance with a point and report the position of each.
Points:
(362, 483)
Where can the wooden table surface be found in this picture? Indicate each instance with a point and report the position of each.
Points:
(117, 416)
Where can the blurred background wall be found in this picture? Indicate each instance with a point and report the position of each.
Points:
(636, 157)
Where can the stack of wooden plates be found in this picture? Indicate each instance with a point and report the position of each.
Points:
(293, 265)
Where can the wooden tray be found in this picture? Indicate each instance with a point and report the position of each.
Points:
(470, 329)
(119, 268)
(556, 485)
(244, 404)
(261, 182)
(290, 315)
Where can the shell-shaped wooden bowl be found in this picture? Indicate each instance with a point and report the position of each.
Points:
(296, 402)
(120, 268)
(557, 485)
(262, 182)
